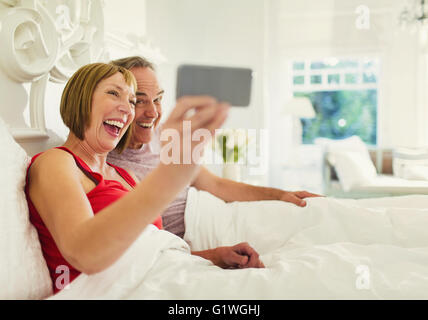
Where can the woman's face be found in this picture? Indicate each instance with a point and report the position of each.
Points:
(148, 109)
(113, 110)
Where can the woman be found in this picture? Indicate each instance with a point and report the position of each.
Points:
(88, 212)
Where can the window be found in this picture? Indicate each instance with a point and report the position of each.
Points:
(344, 93)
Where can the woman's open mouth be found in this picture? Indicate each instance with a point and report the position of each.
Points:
(113, 127)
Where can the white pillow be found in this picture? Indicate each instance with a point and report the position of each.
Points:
(354, 169)
(351, 160)
(415, 172)
(23, 270)
(410, 163)
(353, 143)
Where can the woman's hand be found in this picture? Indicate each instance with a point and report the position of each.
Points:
(191, 114)
(239, 256)
(297, 197)
(191, 124)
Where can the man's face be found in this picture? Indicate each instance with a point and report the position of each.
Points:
(148, 109)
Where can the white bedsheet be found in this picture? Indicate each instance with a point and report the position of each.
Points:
(331, 249)
(393, 185)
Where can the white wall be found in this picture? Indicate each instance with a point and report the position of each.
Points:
(310, 28)
(222, 32)
(125, 16)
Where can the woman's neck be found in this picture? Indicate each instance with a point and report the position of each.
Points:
(96, 161)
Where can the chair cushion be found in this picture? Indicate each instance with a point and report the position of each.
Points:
(351, 160)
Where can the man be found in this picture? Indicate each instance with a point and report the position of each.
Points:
(143, 153)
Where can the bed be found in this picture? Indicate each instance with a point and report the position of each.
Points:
(331, 249)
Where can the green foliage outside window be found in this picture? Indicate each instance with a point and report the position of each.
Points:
(341, 114)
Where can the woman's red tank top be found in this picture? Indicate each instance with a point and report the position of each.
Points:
(104, 193)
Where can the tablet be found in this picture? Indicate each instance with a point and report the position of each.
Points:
(226, 84)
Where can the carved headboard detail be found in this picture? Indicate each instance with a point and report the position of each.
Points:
(47, 40)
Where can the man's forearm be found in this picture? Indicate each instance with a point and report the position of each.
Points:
(209, 254)
(230, 190)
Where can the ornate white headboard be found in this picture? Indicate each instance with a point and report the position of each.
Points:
(44, 40)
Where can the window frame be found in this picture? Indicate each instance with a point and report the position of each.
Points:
(308, 73)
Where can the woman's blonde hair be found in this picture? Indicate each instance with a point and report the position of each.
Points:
(76, 100)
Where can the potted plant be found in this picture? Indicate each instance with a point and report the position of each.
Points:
(232, 145)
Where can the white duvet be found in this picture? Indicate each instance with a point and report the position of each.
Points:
(331, 249)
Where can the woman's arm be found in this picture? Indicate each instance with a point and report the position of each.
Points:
(92, 243)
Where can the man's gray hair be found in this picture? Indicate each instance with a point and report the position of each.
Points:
(131, 62)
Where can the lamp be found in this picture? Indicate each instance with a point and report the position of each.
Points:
(297, 108)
